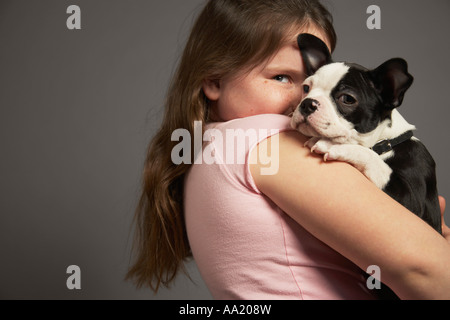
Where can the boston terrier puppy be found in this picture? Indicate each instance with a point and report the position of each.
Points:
(350, 114)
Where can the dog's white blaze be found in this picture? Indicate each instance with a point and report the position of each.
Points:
(326, 120)
(327, 77)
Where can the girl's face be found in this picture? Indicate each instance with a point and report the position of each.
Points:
(274, 86)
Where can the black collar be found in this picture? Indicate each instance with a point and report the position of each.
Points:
(386, 145)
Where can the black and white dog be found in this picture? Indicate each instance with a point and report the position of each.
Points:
(350, 114)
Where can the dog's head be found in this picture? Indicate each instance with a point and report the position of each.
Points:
(345, 101)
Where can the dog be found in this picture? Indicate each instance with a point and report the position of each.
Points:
(350, 114)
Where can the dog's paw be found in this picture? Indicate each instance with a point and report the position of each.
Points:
(322, 146)
(311, 142)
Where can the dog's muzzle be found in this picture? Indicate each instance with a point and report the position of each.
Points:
(308, 107)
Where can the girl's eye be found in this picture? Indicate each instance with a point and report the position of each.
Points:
(282, 78)
(305, 88)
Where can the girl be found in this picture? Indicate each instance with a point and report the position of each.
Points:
(303, 231)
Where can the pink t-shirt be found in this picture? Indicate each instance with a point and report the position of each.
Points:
(244, 245)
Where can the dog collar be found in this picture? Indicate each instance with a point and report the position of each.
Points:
(386, 145)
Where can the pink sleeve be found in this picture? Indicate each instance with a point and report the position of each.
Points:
(244, 245)
(233, 141)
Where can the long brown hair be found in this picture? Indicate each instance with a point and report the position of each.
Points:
(228, 35)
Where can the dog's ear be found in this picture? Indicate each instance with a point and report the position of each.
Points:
(314, 52)
(392, 80)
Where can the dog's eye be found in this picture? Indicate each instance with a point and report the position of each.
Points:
(347, 99)
(306, 88)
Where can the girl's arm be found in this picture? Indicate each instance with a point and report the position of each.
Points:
(445, 228)
(342, 208)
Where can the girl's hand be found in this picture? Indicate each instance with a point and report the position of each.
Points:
(445, 229)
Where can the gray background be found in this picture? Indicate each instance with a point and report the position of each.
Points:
(78, 107)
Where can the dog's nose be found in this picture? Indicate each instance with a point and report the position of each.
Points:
(308, 106)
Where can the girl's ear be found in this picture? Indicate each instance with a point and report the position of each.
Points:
(211, 88)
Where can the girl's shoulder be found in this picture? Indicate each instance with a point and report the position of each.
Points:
(227, 146)
(263, 121)
(233, 140)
